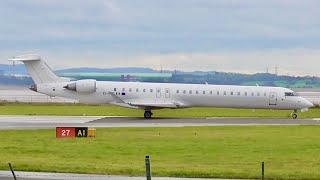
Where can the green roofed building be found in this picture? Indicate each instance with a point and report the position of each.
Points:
(156, 77)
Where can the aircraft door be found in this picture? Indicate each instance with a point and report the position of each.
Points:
(273, 98)
(167, 93)
(158, 92)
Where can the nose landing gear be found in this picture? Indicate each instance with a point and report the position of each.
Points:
(294, 115)
(147, 114)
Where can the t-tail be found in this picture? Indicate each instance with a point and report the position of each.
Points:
(39, 71)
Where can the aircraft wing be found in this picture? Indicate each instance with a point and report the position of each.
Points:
(116, 98)
(143, 103)
(154, 105)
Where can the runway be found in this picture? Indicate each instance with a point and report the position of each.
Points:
(40, 122)
(6, 175)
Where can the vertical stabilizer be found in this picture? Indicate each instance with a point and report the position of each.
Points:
(39, 71)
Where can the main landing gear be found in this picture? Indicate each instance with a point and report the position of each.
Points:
(294, 115)
(147, 114)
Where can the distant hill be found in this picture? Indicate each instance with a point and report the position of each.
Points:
(137, 74)
(20, 69)
(13, 69)
(108, 70)
(15, 81)
(261, 79)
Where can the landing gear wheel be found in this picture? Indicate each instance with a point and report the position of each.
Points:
(294, 116)
(147, 114)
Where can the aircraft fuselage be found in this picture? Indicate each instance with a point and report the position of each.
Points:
(182, 95)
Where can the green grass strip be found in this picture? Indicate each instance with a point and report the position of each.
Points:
(109, 110)
(289, 152)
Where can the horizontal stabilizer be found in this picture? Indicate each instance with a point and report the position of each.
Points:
(27, 57)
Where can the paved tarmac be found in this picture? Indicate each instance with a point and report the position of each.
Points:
(39, 122)
(6, 175)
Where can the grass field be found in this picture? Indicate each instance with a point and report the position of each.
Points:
(108, 110)
(289, 152)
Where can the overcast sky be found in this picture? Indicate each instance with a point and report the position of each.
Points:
(224, 35)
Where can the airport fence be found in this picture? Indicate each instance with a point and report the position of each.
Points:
(12, 171)
(35, 99)
(260, 170)
(147, 166)
(28, 96)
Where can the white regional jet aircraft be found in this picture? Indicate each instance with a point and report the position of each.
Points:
(149, 96)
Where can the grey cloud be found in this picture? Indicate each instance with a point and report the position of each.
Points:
(126, 31)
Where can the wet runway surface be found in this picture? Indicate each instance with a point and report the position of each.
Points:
(39, 122)
(6, 175)
(204, 121)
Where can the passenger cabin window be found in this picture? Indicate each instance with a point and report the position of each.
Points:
(137, 90)
(190, 91)
(238, 93)
(130, 89)
(211, 92)
(245, 93)
(144, 90)
(184, 91)
(123, 89)
(225, 93)
(218, 93)
(203, 92)
(197, 92)
(290, 94)
(114, 89)
(252, 94)
(177, 91)
(258, 94)
(231, 93)
(265, 94)
(151, 90)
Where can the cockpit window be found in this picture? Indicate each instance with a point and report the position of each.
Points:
(290, 94)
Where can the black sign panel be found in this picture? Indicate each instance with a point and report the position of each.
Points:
(81, 131)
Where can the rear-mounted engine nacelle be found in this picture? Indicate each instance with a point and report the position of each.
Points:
(83, 86)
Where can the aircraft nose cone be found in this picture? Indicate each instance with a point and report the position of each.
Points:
(308, 104)
(304, 103)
